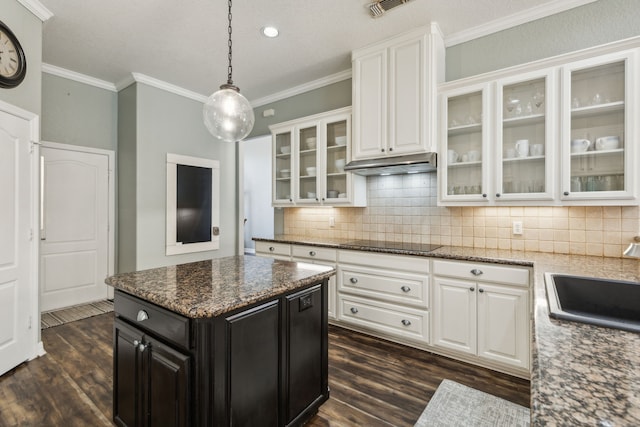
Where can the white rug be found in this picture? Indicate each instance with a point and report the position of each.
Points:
(456, 405)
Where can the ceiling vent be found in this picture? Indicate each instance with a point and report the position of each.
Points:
(380, 7)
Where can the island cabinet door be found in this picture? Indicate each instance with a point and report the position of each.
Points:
(305, 363)
(151, 380)
(127, 375)
(251, 340)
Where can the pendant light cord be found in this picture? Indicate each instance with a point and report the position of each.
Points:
(230, 67)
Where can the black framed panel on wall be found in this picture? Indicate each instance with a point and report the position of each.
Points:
(193, 204)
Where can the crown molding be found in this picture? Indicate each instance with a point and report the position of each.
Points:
(81, 78)
(125, 82)
(542, 11)
(306, 87)
(37, 8)
(150, 81)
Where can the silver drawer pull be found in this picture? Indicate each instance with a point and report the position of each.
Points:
(472, 289)
(406, 322)
(312, 253)
(353, 280)
(271, 248)
(476, 272)
(142, 315)
(405, 289)
(354, 310)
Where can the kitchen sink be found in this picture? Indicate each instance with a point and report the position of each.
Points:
(602, 302)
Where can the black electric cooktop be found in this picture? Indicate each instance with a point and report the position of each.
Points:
(382, 244)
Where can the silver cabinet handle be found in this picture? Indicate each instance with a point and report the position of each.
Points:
(142, 315)
(476, 272)
(312, 253)
(140, 345)
(406, 322)
(353, 280)
(354, 310)
(405, 289)
(481, 290)
(472, 289)
(271, 249)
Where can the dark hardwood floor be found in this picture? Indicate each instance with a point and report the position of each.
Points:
(373, 382)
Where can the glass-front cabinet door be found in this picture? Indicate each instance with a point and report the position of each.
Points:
(282, 166)
(308, 165)
(525, 109)
(337, 185)
(598, 137)
(462, 163)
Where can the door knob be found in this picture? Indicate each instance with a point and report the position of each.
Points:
(406, 322)
(142, 315)
(472, 289)
(405, 289)
(354, 310)
(481, 290)
(476, 272)
(312, 253)
(353, 280)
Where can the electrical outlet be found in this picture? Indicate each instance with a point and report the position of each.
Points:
(332, 221)
(517, 227)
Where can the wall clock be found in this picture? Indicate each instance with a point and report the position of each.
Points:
(13, 64)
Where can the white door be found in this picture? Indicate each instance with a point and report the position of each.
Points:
(503, 324)
(454, 309)
(74, 243)
(17, 271)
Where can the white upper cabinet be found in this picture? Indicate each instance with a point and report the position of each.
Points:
(599, 134)
(463, 167)
(394, 90)
(309, 155)
(560, 135)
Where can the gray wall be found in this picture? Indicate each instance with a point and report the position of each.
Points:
(590, 25)
(168, 123)
(78, 114)
(28, 29)
(126, 204)
(330, 97)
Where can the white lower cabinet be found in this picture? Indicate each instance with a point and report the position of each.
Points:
(320, 256)
(384, 294)
(482, 310)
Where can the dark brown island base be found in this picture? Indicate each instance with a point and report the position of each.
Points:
(237, 341)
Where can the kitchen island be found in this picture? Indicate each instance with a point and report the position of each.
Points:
(230, 341)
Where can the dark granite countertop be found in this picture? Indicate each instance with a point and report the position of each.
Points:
(581, 374)
(212, 287)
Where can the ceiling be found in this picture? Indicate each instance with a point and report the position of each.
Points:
(184, 42)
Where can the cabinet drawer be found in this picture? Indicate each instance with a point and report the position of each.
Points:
(271, 248)
(164, 323)
(483, 272)
(390, 286)
(387, 318)
(313, 252)
(414, 264)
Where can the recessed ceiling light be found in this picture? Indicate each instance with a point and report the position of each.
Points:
(270, 32)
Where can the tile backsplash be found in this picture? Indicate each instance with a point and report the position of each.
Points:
(404, 208)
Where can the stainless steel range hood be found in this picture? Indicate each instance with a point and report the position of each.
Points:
(413, 163)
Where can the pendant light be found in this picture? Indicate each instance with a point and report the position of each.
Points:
(227, 114)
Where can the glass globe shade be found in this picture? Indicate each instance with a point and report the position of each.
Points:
(228, 115)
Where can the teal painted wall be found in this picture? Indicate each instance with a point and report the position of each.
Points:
(168, 123)
(78, 114)
(126, 204)
(330, 97)
(28, 29)
(590, 25)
